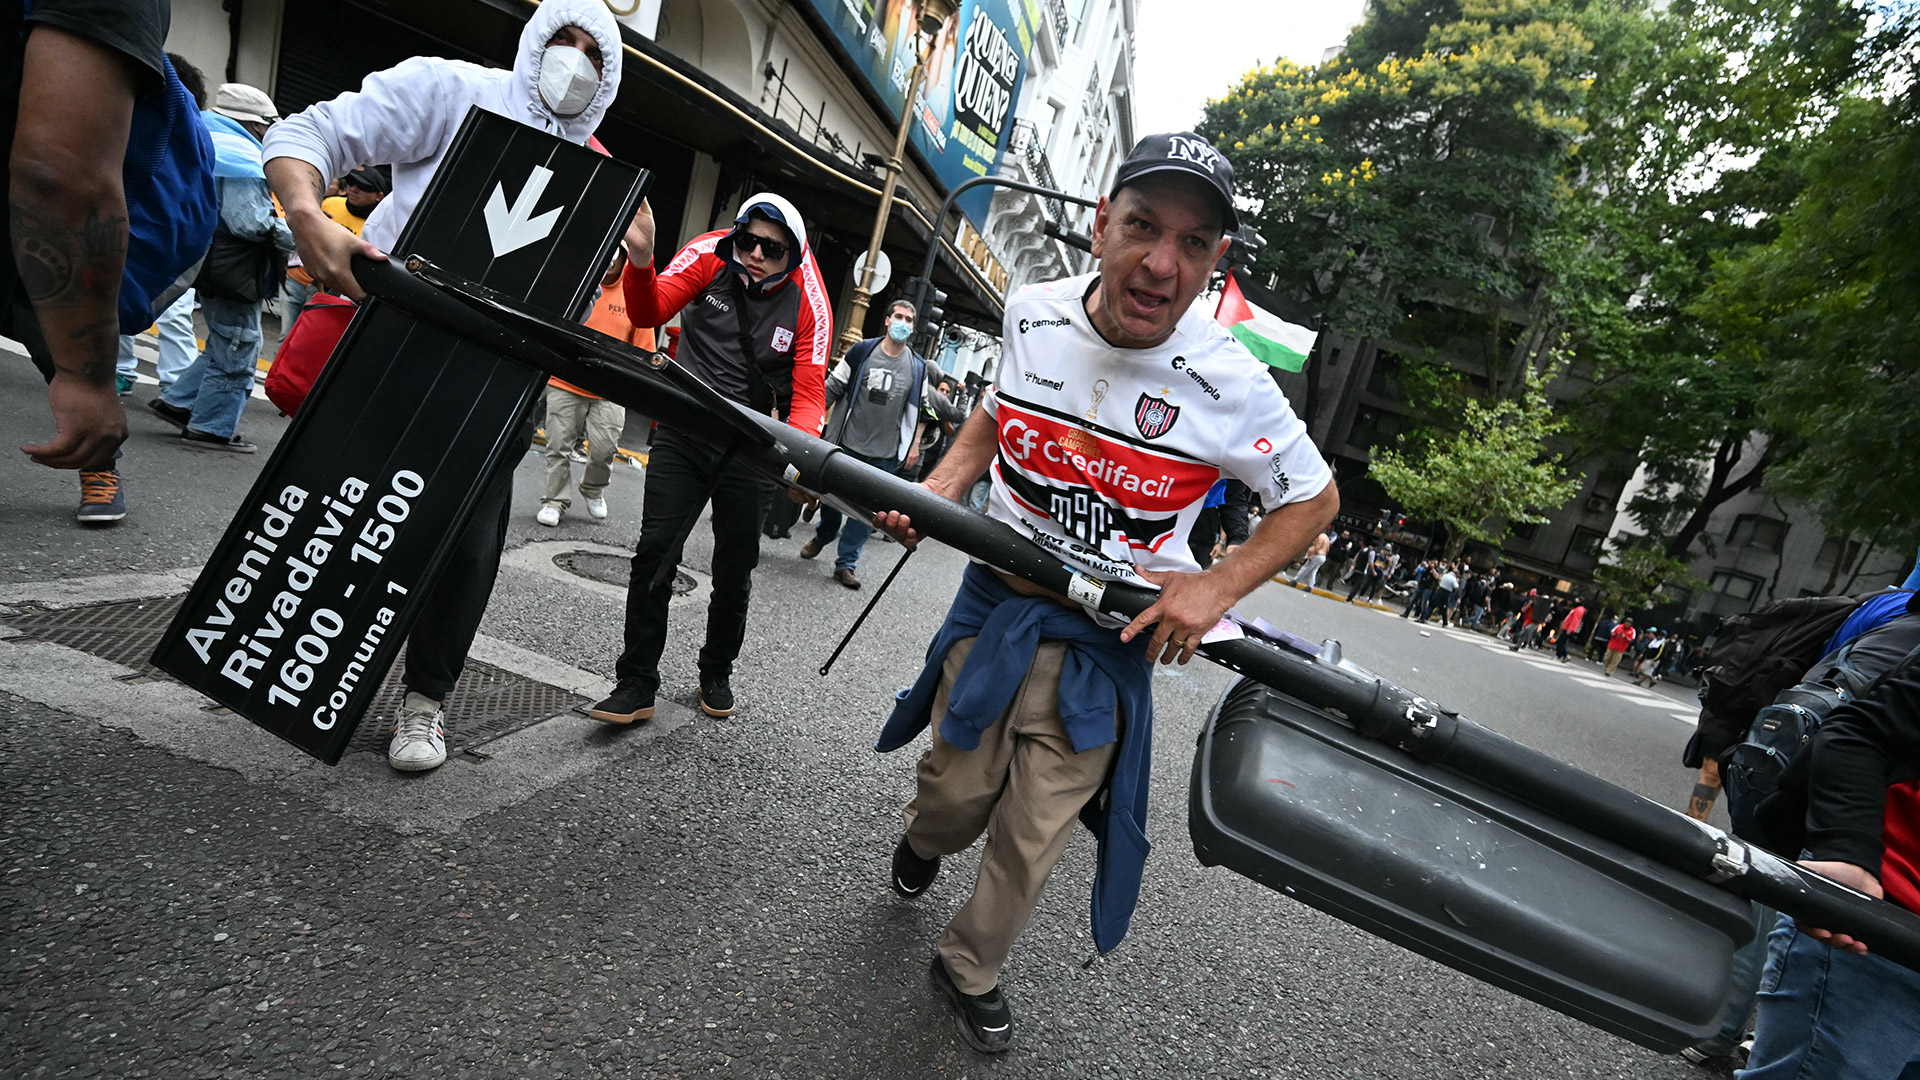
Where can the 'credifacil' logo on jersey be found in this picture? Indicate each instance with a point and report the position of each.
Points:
(1023, 443)
(1035, 324)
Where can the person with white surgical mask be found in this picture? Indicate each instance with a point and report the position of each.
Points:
(563, 78)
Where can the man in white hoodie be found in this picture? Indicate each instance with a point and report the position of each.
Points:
(563, 78)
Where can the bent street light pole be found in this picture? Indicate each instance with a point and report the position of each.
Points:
(940, 220)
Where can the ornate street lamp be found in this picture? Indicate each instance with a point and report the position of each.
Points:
(933, 13)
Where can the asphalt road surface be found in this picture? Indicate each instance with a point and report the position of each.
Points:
(184, 896)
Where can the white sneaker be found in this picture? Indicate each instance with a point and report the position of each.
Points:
(419, 735)
(549, 516)
(598, 508)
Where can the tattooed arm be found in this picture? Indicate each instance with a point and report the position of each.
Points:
(68, 214)
(325, 245)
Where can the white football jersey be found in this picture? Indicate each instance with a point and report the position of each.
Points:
(1106, 454)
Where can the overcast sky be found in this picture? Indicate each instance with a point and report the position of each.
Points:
(1186, 51)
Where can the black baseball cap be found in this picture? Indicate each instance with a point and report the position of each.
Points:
(1181, 151)
(372, 178)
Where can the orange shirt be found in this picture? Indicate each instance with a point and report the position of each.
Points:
(609, 316)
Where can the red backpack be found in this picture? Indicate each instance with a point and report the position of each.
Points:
(305, 349)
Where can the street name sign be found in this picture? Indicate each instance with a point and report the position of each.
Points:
(305, 602)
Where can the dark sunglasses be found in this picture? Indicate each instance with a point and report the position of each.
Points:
(774, 250)
(358, 186)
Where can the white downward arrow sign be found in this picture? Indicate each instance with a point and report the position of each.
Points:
(511, 230)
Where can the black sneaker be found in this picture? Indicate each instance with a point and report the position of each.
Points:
(204, 440)
(911, 873)
(985, 1020)
(172, 414)
(629, 704)
(716, 697)
(101, 500)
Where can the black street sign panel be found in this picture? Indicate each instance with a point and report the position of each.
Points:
(304, 604)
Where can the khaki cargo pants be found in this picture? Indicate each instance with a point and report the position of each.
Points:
(1024, 787)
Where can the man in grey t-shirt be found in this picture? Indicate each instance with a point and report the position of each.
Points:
(875, 393)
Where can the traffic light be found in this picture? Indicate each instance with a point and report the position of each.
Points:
(933, 310)
(928, 300)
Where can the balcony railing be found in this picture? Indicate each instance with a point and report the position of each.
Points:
(1026, 142)
(788, 109)
(1058, 11)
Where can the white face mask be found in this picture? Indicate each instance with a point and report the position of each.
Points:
(567, 80)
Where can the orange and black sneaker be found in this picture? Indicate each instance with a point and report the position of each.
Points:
(101, 500)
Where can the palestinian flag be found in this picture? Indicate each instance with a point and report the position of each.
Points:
(1271, 339)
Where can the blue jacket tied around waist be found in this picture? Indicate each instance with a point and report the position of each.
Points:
(1101, 681)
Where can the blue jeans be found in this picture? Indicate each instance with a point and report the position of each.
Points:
(853, 536)
(178, 347)
(297, 296)
(1828, 1014)
(215, 386)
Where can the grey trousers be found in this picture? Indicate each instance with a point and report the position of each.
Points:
(568, 416)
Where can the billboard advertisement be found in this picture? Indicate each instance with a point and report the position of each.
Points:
(963, 115)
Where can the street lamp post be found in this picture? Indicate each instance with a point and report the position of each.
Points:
(933, 14)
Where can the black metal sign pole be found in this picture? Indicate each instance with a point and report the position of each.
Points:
(1377, 709)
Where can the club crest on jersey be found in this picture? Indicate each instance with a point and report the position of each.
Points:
(1154, 416)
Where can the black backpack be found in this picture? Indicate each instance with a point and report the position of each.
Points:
(1750, 770)
(1757, 654)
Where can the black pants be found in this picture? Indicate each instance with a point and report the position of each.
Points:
(782, 516)
(678, 474)
(437, 647)
(1205, 534)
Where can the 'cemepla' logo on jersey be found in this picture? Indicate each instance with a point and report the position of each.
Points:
(782, 339)
(1035, 324)
(1155, 416)
(1194, 150)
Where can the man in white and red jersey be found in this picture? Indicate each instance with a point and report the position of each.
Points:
(755, 324)
(1828, 1008)
(1116, 408)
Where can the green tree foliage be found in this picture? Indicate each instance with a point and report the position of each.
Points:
(1636, 572)
(1486, 476)
(1698, 157)
(1830, 307)
(1425, 162)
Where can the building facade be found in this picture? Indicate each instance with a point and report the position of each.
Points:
(722, 98)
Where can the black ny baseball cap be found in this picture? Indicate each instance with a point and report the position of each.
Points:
(1181, 151)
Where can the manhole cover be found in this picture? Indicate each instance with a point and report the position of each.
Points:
(614, 570)
(487, 703)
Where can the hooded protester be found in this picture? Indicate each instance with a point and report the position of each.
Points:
(761, 335)
(564, 76)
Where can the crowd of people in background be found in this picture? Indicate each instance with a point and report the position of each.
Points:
(1458, 593)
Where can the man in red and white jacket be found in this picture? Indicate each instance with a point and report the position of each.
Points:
(756, 325)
